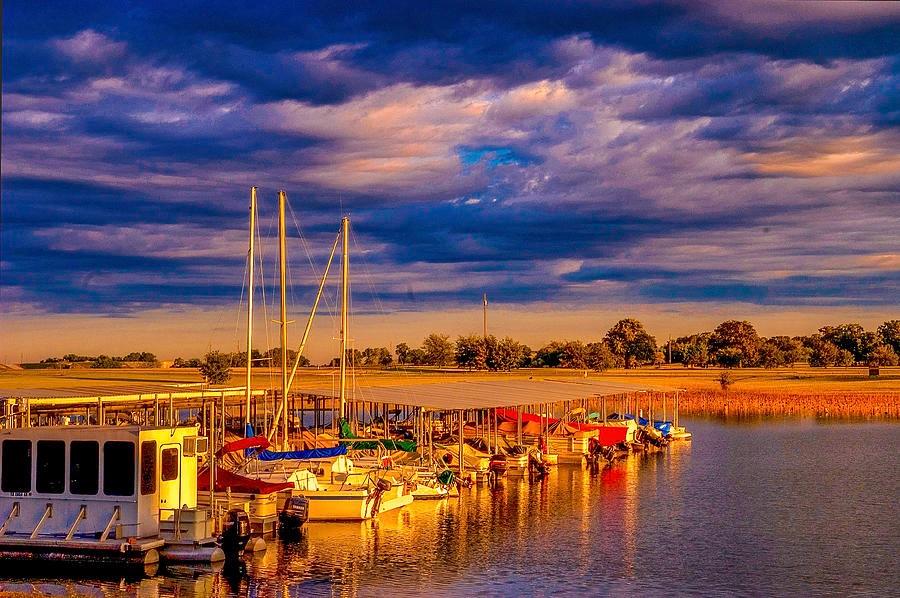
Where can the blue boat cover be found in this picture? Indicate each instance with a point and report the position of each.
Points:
(664, 427)
(317, 453)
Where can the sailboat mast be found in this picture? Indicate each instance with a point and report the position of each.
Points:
(345, 293)
(282, 271)
(250, 304)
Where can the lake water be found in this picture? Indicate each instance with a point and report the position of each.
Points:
(756, 508)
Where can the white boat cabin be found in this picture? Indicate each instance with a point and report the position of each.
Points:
(95, 481)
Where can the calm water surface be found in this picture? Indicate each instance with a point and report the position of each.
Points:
(765, 508)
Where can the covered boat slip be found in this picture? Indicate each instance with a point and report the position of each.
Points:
(488, 394)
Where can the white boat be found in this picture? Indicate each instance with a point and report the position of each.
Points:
(338, 491)
(118, 494)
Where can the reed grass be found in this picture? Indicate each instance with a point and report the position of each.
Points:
(751, 403)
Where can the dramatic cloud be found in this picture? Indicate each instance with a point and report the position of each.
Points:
(583, 153)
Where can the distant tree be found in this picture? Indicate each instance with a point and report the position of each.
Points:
(548, 356)
(852, 338)
(528, 357)
(402, 351)
(74, 358)
(735, 341)
(573, 355)
(726, 380)
(791, 349)
(628, 339)
(438, 349)
(659, 358)
(271, 358)
(729, 357)
(883, 355)
(106, 362)
(889, 332)
(600, 358)
(470, 353)
(377, 357)
(824, 354)
(504, 354)
(770, 355)
(216, 367)
(696, 354)
(417, 357)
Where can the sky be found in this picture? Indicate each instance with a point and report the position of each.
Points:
(684, 162)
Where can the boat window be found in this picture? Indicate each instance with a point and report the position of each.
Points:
(50, 473)
(16, 475)
(118, 468)
(169, 464)
(148, 467)
(84, 467)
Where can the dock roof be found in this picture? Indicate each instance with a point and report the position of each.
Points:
(483, 394)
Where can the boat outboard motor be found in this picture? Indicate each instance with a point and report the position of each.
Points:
(293, 517)
(235, 533)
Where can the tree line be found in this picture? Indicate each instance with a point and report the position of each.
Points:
(732, 344)
(145, 358)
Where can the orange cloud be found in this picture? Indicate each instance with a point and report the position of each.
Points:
(860, 154)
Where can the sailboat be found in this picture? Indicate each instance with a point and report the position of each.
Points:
(336, 490)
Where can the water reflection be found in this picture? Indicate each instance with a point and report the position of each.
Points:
(752, 509)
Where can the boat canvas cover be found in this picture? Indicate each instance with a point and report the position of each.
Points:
(607, 435)
(237, 483)
(254, 442)
(363, 444)
(305, 455)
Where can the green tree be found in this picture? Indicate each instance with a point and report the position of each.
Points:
(824, 354)
(729, 357)
(628, 339)
(402, 350)
(573, 355)
(216, 367)
(770, 355)
(889, 332)
(377, 357)
(882, 355)
(735, 340)
(106, 362)
(852, 338)
(600, 358)
(438, 349)
(548, 356)
(470, 352)
(507, 354)
(696, 353)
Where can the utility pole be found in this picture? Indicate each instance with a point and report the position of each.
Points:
(484, 303)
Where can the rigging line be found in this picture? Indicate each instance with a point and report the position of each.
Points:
(237, 321)
(368, 274)
(305, 244)
(403, 373)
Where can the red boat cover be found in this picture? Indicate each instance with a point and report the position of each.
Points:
(238, 483)
(243, 444)
(607, 435)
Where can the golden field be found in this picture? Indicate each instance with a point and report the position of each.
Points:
(798, 380)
